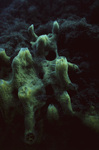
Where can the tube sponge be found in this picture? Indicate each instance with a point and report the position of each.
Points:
(55, 29)
(52, 113)
(3, 56)
(62, 71)
(37, 83)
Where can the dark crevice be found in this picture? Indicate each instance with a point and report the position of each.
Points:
(51, 55)
(41, 75)
(13, 56)
(15, 93)
(49, 90)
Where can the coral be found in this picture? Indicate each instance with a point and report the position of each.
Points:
(39, 78)
(91, 119)
(4, 64)
(52, 113)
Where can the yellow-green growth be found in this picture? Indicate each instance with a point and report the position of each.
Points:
(62, 71)
(91, 119)
(34, 81)
(55, 29)
(4, 64)
(52, 113)
(3, 56)
(66, 103)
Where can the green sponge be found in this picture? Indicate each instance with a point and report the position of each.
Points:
(38, 82)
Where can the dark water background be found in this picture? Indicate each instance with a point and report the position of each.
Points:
(79, 42)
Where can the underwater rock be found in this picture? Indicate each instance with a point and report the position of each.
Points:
(38, 78)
